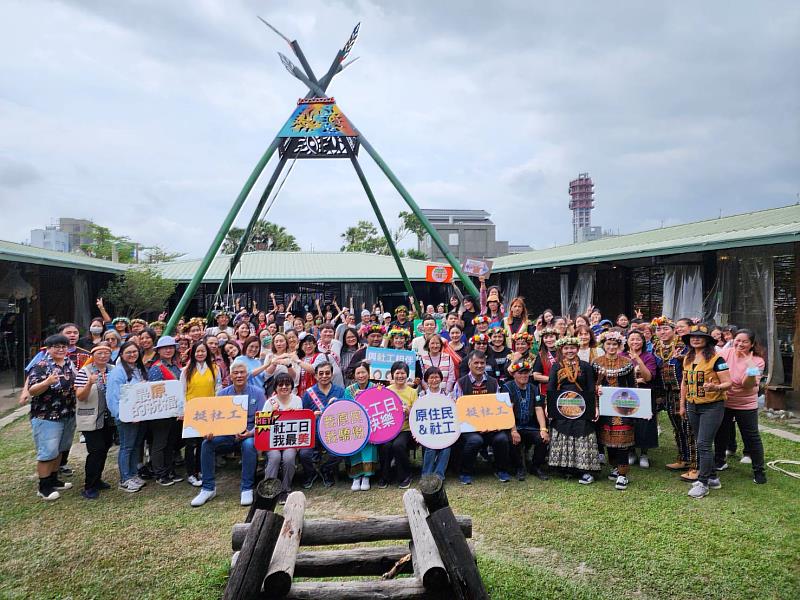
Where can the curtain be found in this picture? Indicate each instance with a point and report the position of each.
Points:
(361, 293)
(683, 291)
(510, 287)
(583, 293)
(564, 293)
(81, 288)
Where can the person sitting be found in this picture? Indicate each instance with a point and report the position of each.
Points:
(317, 398)
(283, 399)
(477, 382)
(530, 423)
(225, 443)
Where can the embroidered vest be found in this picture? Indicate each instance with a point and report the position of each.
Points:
(697, 374)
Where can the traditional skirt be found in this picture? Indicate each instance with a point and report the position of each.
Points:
(616, 432)
(363, 463)
(575, 449)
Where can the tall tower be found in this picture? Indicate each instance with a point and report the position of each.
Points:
(581, 191)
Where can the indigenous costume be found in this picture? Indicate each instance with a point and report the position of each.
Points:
(668, 393)
(365, 462)
(571, 408)
(545, 361)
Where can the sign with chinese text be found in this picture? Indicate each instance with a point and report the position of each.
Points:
(433, 421)
(571, 405)
(283, 429)
(385, 412)
(344, 428)
(477, 268)
(380, 362)
(633, 403)
(220, 415)
(485, 412)
(146, 401)
(438, 274)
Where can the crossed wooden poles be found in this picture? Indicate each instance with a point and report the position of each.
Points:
(316, 89)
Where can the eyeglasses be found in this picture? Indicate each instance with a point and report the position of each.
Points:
(59, 346)
(284, 384)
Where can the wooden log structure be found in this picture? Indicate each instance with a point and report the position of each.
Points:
(428, 565)
(393, 589)
(266, 497)
(253, 560)
(365, 561)
(278, 580)
(329, 532)
(432, 489)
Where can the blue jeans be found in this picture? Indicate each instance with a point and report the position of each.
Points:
(52, 437)
(435, 461)
(226, 443)
(131, 436)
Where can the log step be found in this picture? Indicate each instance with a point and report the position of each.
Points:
(350, 562)
(395, 589)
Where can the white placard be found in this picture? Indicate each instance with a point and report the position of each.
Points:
(150, 400)
(433, 421)
(632, 403)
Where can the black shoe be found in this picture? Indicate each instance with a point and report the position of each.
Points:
(382, 484)
(65, 471)
(165, 480)
(759, 477)
(282, 498)
(520, 474)
(308, 483)
(328, 480)
(57, 485)
(405, 484)
(90, 494)
(102, 485)
(175, 477)
(540, 474)
(146, 473)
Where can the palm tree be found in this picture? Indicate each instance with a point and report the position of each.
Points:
(265, 236)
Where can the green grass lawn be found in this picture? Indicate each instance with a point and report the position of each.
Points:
(535, 539)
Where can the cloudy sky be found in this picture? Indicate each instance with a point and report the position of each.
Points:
(148, 116)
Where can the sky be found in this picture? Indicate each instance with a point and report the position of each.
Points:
(148, 116)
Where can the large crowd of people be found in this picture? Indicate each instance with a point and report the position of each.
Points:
(705, 378)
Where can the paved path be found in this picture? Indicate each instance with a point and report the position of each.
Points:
(787, 435)
(8, 419)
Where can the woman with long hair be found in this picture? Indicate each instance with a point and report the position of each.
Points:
(200, 379)
(362, 465)
(280, 360)
(433, 355)
(307, 354)
(147, 346)
(350, 345)
(746, 365)
(517, 320)
(588, 350)
(644, 370)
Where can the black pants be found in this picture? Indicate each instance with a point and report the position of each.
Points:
(98, 443)
(530, 437)
(397, 449)
(474, 441)
(161, 454)
(747, 420)
(192, 459)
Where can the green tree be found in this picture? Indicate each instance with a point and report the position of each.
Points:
(157, 254)
(411, 224)
(139, 290)
(103, 243)
(265, 236)
(417, 254)
(364, 237)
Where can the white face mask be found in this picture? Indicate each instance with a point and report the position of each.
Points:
(96, 330)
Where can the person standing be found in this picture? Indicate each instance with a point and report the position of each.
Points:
(644, 370)
(201, 379)
(703, 392)
(164, 432)
(516, 322)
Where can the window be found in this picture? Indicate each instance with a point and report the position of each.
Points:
(453, 239)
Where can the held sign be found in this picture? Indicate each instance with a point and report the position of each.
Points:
(477, 268)
(380, 362)
(385, 412)
(433, 421)
(438, 274)
(220, 415)
(146, 401)
(633, 403)
(284, 429)
(485, 412)
(344, 428)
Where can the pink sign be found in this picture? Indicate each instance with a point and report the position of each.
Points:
(343, 428)
(385, 411)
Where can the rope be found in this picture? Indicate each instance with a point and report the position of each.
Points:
(773, 464)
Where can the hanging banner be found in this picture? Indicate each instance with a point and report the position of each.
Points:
(344, 428)
(418, 327)
(485, 412)
(438, 274)
(633, 403)
(477, 267)
(433, 421)
(220, 415)
(380, 362)
(283, 429)
(385, 412)
(147, 401)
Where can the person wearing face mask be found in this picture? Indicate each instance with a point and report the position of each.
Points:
(95, 335)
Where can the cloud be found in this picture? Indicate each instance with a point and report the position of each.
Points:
(15, 174)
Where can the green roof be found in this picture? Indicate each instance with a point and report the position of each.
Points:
(771, 226)
(256, 267)
(12, 252)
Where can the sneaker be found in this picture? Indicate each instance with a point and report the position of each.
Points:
(146, 472)
(465, 479)
(382, 484)
(194, 481)
(622, 483)
(138, 481)
(175, 477)
(746, 460)
(503, 476)
(310, 481)
(48, 494)
(282, 497)
(60, 486)
(102, 485)
(586, 479)
(520, 474)
(328, 481)
(759, 477)
(165, 480)
(364, 483)
(246, 498)
(690, 476)
(203, 497)
(406, 483)
(644, 462)
(722, 467)
(356, 487)
(613, 475)
(602, 458)
(698, 490)
(714, 483)
(90, 494)
(129, 486)
(65, 471)
(82, 439)
(540, 474)
(729, 452)
(631, 458)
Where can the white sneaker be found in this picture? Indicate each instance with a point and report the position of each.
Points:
(631, 458)
(138, 481)
(192, 480)
(203, 497)
(246, 498)
(698, 490)
(746, 460)
(622, 483)
(602, 458)
(356, 484)
(53, 495)
(714, 483)
(644, 462)
(364, 484)
(129, 486)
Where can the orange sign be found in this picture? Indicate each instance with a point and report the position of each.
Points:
(439, 274)
(220, 415)
(485, 412)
